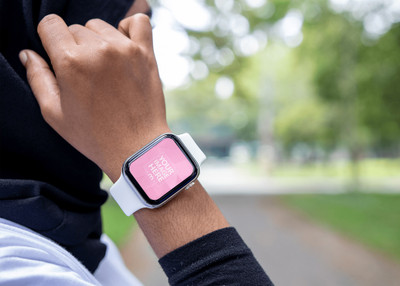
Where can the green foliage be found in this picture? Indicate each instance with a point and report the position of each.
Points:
(357, 77)
(115, 223)
(198, 108)
(379, 85)
(372, 219)
(306, 122)
(338, 89)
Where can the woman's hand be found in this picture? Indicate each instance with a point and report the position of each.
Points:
(105, 96)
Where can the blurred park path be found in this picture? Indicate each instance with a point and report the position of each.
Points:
(222, 177)
(293, 250)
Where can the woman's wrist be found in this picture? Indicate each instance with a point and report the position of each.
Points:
(125, 147)
(190, 215)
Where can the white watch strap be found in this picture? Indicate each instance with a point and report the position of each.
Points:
(193, 148)
(125, 193)
(125, 196)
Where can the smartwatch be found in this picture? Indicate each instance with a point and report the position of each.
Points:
(157, 172)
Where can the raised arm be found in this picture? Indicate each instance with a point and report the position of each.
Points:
(105, 98)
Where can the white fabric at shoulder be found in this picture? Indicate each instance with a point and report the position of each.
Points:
(112, 270)
(27, 258)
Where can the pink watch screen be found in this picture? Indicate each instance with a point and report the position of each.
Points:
(161, 169)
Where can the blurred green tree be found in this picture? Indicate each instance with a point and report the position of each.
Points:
(356, 75)
(337, 88)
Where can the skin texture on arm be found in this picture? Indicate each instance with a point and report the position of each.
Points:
(105, 98)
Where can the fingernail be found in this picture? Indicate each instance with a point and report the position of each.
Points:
(23, 57)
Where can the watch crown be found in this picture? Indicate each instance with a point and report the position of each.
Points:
(188, 186)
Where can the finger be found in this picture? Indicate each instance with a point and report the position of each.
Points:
(55, 35)
(42, 82)
(138, 29)
(83, 35)
(105, 30)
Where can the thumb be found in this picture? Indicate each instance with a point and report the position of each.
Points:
(41, 80)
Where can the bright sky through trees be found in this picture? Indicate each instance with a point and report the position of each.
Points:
(173, 17)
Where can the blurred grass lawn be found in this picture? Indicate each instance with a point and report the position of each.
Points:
(373, 219)
(115, 223)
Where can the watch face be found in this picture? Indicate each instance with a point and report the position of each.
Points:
(161, 169)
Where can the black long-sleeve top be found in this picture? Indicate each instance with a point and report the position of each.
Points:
(219, 258)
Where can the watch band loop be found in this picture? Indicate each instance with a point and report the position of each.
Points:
(193, 148)
(125, 196)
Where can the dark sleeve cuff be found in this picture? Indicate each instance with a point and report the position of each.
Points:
(218, 258)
